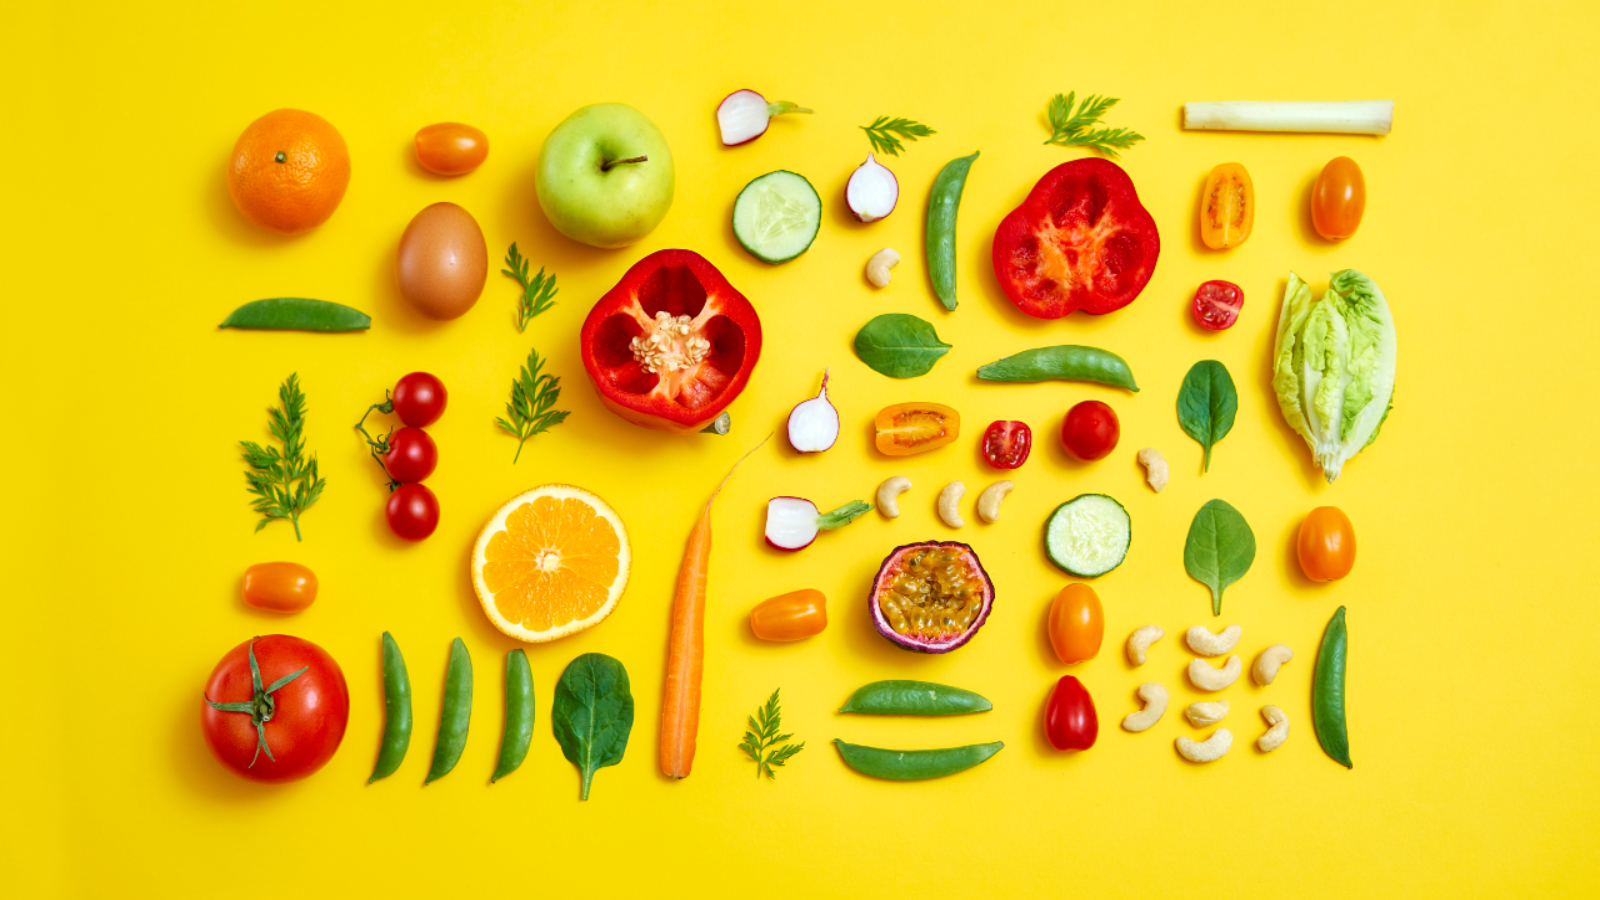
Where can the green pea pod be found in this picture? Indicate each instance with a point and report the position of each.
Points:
(1327, 692)
(1067, 362)
(456, 714)
(519, 715)
(297, 314)
(914, 698)
(914, 765)
(943, 201)
(396, 711)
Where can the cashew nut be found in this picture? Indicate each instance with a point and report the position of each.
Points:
(1211, 749)
(1268, 663)
(878, 266)
(1155, 468)
(1207, 678)
(1202, 714)
(1278, 733)
(1140, 641)
(989, 500)
(1205, 643)
(1155, 706)
(889, 492)
(950, 504)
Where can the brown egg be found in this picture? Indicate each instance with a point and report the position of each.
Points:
(444, 262)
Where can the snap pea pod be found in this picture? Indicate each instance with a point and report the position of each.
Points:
(456, 714)
(914, 765)
(1327, 692)
(297, 314)
(943, 202)
(396, 711)
(519, 715)
(914, 698)
(1067, 362)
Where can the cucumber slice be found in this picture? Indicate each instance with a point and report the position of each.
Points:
(777, 216)
(1088, 535)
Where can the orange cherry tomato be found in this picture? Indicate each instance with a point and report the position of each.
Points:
(1327, 544)
(1077, 624)
(279, 586)
(907, 428)
(450, 148)
(1338, 199)
(790, 617)
(1228, 209)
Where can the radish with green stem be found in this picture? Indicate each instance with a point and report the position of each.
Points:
(744, 115)
(793, 522)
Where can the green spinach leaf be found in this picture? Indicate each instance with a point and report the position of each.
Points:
(1207, 403)
(899, 345)
(593, 714)
(1219, 550)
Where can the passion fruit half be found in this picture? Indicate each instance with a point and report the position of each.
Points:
(931, 597)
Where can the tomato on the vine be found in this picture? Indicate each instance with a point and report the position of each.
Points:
(1090, 431)
(1326, 544)
(412, 512)
(275, 708)
(1070, 721)
(1217, 304)
(1006, 445)
(412, 455)
(419, 399)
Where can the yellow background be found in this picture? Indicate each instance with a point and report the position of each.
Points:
(1471, 609)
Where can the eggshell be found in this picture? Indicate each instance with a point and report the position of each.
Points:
(444, 262)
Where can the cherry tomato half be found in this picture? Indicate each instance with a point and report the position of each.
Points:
(419, 399)
(412, 455)
(1077, 623)
(1228, 209)
(1326, 545)
(1090, 431)
(1006, 445)
(451, 148)
(285, 734)
(412, 511)
(1338, 199)
(907, 428)
(280, 586)
(790, 617)
(1069, 720)
(1217, 304)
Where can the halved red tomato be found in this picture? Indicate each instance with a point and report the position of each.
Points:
(907, 428)
(1082, 240)
(672, 344)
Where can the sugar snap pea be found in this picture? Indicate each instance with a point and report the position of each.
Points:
(914, 698)
(943, 202)
(1327, 692)
(455, 715)
(914, 765)
(519, 715)
(297, 314)
(396, 711)
(1067, 362)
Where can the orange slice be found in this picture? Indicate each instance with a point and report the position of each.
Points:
(550, 563)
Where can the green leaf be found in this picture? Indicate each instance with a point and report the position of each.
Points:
(532, 395)
(764, 734)
(899, 345)
(1074, 129)
(881, 133)
(1207, 404)
(284, 484)
(593, 714)
(1219, 550)
(844, 515)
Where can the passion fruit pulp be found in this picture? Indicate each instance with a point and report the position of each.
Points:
(931, 597)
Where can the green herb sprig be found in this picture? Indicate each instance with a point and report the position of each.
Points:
(1074, 129)
(284, 482)
(532, 395)
(763, 736)
(538, 292)
(883, 129)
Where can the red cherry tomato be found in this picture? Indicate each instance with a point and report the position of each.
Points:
(412, 455)
(1006, 445)
(1069, 720)
(419, 399)
(1090, 431)
(1338, 199)
(300, 723)
(1217, 304)
(413, 512)
(451, 148)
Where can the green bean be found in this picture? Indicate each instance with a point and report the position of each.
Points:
(455, 715)
(914, 698)
(943, 201)
(297, 314)
(1067, 362)
(519, 715)
(396, 711)
(1327, 692)
(914, 765)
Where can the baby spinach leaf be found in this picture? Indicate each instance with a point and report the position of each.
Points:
(1219, 550)
(1207, 403)
(899, 345)
(593, 714)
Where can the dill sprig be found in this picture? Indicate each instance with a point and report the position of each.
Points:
(284, 482)
(532, 395)
(763, 735)
(883, 130)
(1075, 128)
(538, 293)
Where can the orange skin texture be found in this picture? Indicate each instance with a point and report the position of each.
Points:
(1077, 624)
(302, 190)
(907, 428)
(284, 587)
(451, 148)
(1326, 545)
(794, 616)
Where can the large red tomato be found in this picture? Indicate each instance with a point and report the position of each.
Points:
(275, 708)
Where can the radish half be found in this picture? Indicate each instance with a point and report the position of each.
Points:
(872, 192)
(814, 423)
(743, 116)
(793, 522)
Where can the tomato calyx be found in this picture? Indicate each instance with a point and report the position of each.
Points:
(261, 706)
(380, 447)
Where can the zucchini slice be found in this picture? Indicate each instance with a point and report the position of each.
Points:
(1088, 535)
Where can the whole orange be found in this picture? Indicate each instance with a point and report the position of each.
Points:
(289, 171)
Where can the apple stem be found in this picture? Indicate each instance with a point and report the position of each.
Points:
(605, 165)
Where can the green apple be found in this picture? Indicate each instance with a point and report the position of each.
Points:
(605, 176)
